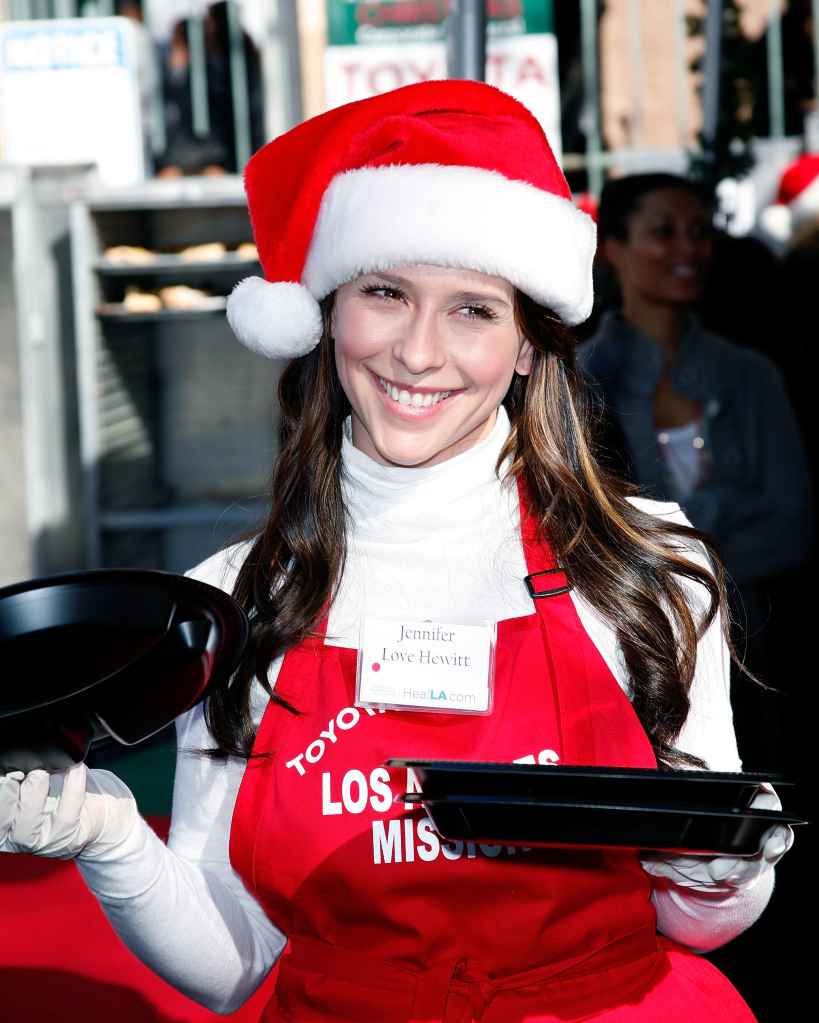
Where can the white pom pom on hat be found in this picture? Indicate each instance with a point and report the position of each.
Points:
(276, 319)
(450, 173)
(776, 222)
(797, 200)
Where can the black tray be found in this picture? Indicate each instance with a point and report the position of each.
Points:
(541, 824)
(565, 784)
(109, 654)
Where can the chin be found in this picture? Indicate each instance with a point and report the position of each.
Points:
(686, 294)
(412, 449)
(408, 456)
(415, 445)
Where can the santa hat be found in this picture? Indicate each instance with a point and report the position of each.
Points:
(797, 200)
(450, 173)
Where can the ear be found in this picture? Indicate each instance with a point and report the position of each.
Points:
(523, 365)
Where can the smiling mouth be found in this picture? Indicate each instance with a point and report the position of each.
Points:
(413, 397)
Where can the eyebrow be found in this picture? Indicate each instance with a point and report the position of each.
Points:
(478, 296)
(460, 296)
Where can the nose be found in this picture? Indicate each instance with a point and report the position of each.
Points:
(687, 245)
(420, 346)
(693, 243)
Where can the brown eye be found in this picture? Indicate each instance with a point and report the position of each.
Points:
(478, 312)
(384, 291)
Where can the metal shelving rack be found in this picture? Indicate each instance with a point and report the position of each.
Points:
(178, 422)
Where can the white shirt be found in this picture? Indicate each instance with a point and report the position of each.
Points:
(682, 451)
(439, 542)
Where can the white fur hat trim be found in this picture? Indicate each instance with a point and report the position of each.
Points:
(374, 218)
(278, 319)
(776, 222)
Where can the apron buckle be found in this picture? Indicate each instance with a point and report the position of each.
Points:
(553, 591)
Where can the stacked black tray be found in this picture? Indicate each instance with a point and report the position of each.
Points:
(111, 654)
(532, 805)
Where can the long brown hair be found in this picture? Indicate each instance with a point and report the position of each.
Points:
(627, 564)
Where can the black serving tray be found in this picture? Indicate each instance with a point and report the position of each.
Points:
(644, 787)
(542, 824)
(107, 654)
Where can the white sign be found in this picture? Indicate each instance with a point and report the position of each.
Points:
(69, 94)
(429, 665)
(525, 66)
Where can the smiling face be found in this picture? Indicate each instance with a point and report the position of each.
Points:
(665, 258)
(425, 356)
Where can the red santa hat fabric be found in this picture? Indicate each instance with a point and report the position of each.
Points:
(797, 200)
(450, 173)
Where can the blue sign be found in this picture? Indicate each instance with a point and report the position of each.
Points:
(62, 47)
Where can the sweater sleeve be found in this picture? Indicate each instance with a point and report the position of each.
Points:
(188, 918)
(704, 921)
(181, 908)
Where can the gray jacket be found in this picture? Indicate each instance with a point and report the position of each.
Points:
(755, 498)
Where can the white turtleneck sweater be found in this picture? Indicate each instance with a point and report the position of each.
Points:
(440, 543)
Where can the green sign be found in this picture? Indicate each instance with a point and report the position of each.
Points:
(380, 21)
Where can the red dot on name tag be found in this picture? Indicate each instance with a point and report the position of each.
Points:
(376, 666)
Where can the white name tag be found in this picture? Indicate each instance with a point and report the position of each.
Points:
(413, 665)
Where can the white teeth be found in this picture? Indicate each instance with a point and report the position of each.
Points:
(416, 399)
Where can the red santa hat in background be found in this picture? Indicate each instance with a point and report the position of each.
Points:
(797, 200)
(450, 173)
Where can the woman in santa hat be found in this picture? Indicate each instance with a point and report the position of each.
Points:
(423, 262)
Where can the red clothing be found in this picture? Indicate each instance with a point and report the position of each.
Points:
(61, 960)
(388, 923)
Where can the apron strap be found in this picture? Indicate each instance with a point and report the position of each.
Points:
(545, 578)
(298, 666)
(564, 640)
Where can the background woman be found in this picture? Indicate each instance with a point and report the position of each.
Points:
(701, 421)
(434, 466)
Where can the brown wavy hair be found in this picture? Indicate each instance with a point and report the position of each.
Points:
(630, 566)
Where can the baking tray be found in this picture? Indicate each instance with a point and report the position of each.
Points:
(589, 785)
(542, 824)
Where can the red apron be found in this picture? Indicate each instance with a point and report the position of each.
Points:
(387, 922)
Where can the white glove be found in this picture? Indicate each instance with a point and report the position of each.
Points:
(713, 874)
(74, 813)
